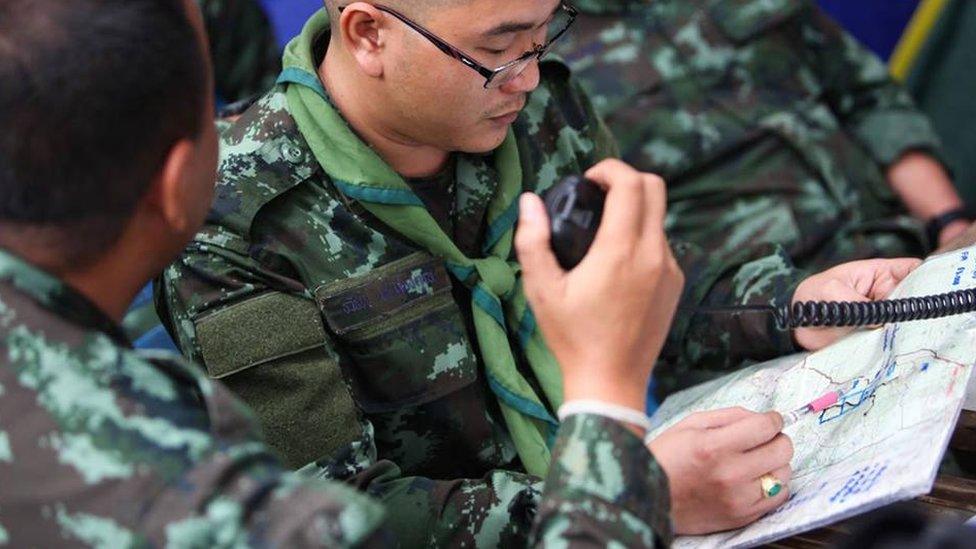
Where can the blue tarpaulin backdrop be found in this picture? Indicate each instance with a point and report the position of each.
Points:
(877, 23)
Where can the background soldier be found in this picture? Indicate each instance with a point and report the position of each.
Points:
(245, 53)
(786, 147)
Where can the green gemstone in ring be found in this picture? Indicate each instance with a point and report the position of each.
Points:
(770, 486)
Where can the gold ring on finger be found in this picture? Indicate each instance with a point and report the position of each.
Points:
(770, 485)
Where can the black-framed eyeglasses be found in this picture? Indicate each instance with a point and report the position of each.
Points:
(562, 19)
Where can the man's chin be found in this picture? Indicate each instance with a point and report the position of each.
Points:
(486, 141)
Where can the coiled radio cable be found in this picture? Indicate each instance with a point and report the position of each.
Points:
(837, 314)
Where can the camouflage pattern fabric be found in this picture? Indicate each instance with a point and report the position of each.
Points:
(100, 446)
(317, 316)
(773, 128)
(245, 53)
(583, 504)
(246, 61)
(104, 446)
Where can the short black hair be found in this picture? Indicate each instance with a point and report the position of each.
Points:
(93, 95)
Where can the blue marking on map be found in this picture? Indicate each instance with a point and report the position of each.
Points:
(859, 482)
(854, 398)
(850, 401)
(888, 340)
(958, 273)
(925, 367)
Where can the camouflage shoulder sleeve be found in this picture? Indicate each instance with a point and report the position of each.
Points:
(705, 345)
(128, 453)
(860, 90)
(560, 131)
(604, 489)
(241, 309)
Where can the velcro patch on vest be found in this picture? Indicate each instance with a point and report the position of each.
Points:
(353, 302)
(258, 330)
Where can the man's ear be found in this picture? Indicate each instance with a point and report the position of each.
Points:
(170, 193)
(359, 27)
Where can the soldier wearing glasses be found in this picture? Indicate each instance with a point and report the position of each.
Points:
(350, 339)
(357, 282)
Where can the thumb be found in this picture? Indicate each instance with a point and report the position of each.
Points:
(892, 273)
(539, 264)
(840, 291)
(830, 288)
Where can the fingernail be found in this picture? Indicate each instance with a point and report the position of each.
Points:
(528, 208)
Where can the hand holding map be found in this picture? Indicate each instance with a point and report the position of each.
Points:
(714, 460)
(899, 389)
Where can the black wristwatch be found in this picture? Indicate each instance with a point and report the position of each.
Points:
(935, 225)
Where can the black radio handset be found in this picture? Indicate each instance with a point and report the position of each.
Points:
(575, 208)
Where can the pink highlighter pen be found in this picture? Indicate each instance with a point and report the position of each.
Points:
(819, 404)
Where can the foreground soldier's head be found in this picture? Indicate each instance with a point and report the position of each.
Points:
(107, 153)
(447, 74)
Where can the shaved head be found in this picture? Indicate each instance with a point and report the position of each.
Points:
(415, 8)
(85, 124)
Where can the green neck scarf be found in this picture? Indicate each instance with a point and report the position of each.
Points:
(499, 305)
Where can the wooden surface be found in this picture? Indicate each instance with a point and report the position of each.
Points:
(951, 498)
(964, 439)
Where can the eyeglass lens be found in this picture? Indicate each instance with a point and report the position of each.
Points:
(555, 28)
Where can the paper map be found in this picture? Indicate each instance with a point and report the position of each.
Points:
(884, 439)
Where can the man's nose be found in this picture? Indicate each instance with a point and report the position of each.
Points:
(525, 82)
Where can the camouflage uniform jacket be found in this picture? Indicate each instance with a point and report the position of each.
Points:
(102, 446)
(318, 316)
(773, 129)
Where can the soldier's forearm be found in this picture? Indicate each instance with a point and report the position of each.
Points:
(702, 344)
(601, 468)
(923, 185)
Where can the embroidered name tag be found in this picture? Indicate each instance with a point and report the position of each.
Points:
(383, 292)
